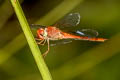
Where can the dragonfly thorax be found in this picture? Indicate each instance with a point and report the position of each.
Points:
(45, 32)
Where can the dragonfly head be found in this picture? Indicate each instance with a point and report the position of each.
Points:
(40, 33)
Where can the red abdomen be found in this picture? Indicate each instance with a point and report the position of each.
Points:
(70, 36)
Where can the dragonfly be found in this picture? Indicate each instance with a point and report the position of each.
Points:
(56, 32)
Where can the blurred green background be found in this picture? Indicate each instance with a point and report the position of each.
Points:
(79, 60)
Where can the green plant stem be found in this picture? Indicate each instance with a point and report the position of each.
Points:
(31, 41)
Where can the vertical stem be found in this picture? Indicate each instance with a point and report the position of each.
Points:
(31, 41)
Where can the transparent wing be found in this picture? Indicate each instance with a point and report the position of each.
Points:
(60, 42)
(71, 20)
(87, 33)
(36, 26)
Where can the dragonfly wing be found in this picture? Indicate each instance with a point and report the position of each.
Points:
(87, 32)
(36, 26)
(70, 20)
(60, 42)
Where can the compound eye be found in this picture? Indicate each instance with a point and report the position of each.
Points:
(40, 32)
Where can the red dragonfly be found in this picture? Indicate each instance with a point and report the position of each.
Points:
(55, 32)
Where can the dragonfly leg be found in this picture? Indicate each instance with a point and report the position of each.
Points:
(43, 43)
(40, 43)
(47, 50)
(38, 39)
